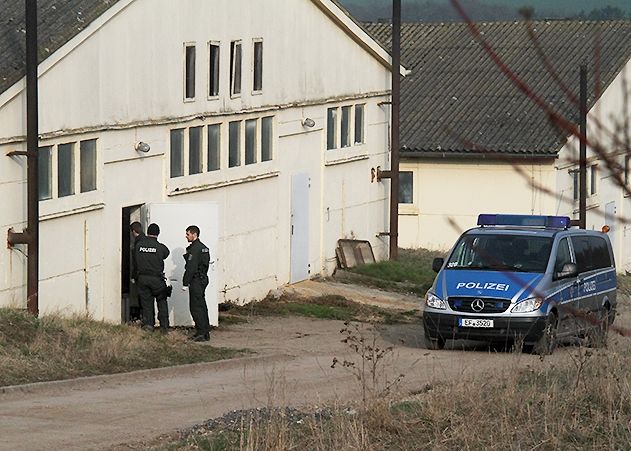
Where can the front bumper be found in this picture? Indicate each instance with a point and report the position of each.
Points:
(530, 329)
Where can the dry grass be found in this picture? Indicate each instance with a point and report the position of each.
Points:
(52, 347)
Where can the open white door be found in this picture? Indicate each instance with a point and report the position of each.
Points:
(173, 220)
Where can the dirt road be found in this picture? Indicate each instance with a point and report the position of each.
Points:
(292, 366)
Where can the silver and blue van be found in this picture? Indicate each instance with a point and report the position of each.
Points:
(526, 280)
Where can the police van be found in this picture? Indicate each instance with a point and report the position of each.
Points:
(528, 280)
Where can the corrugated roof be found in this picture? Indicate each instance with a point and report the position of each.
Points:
(456, 100)
(58, 22)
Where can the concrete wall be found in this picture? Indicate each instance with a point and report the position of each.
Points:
(124, 83)
(450, 194)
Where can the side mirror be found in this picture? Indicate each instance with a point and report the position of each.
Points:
(437, 263)
(568, 270)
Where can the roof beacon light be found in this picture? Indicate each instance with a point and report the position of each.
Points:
(553, 222)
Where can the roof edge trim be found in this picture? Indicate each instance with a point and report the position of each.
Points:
(356, 32)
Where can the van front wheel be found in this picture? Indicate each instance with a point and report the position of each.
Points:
(548, 341)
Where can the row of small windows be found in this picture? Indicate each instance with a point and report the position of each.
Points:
(592, 181)
(59, 173)
(249, 141)
(236, 69)
(348, 135)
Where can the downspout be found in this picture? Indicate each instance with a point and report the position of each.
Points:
(30, 235)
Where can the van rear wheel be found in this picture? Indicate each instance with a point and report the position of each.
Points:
(548, 341)
(597, 335)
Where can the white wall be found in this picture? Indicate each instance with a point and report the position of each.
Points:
(450, 194)
(606, 130)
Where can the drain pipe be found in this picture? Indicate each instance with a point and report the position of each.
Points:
(30, 235)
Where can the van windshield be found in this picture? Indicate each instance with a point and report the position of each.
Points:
(501, 253)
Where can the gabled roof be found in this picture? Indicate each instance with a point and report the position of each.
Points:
(61, 20)
(58, 22)
(456, 101)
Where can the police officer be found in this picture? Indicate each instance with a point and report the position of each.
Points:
(138, 234)
(196, 278)
(150, 256)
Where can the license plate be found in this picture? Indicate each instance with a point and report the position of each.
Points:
(472, 322)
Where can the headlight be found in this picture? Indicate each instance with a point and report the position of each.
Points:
(529, 305)
(433, 301)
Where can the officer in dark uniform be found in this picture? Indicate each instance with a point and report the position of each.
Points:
(138, 234)
(150, 256)
(196, 279)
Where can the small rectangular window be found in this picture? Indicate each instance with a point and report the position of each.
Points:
(331, 128)
(235, 68)
(267, 138)
(406, 187)
(45, 176)
(626, 169)
(213, 70)
(195, 150)
(65, 170)
(359, 124)
(234, 144)
(189, 76)
(575, 184)
(258, 65)
(177, 152)
(346, 126)
(250, 141)
(87, 165)
(214, 147)
(593, 180)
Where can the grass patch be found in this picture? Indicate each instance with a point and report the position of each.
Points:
(411, 273)
(53, 347)
(579, 403)
(322, 307)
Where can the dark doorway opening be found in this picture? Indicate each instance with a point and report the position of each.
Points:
(130, 307)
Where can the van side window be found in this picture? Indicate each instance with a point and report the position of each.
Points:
(581, 250)
(563, 255)
(600, 252)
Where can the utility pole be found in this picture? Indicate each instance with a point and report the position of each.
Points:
(30, 235)
(393, 173)
(582, 201)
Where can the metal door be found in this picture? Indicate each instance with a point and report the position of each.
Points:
(610, 220)
(299, 243)
(173, 220)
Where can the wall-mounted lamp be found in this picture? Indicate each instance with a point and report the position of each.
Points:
(308, 122)
(142, 147)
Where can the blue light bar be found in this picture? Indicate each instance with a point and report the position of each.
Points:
(553, 222)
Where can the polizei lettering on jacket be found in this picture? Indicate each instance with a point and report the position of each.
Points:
(483, 286)
(150, 250)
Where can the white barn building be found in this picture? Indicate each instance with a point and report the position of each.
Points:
(259, 120)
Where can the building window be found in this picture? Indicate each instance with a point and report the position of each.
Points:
(45, 176)
(234, 144)
(593, 180)
(87, 165)
(359, 124)
(258, 66)
(575, 184)
(189, 72)
(346, 126)
(214, 147)
(235, 68)
(250, 140)
(406, 187)
(213, 69)
(331, 128)
(267, 138)
(195, 150)
(626, 169)
(65, 170)
(177, 152)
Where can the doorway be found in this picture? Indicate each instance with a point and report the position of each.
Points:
(299, 241)
(130, 306)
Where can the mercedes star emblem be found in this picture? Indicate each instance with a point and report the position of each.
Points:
(477, 305)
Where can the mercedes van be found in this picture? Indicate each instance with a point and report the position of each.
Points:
(526, 280)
